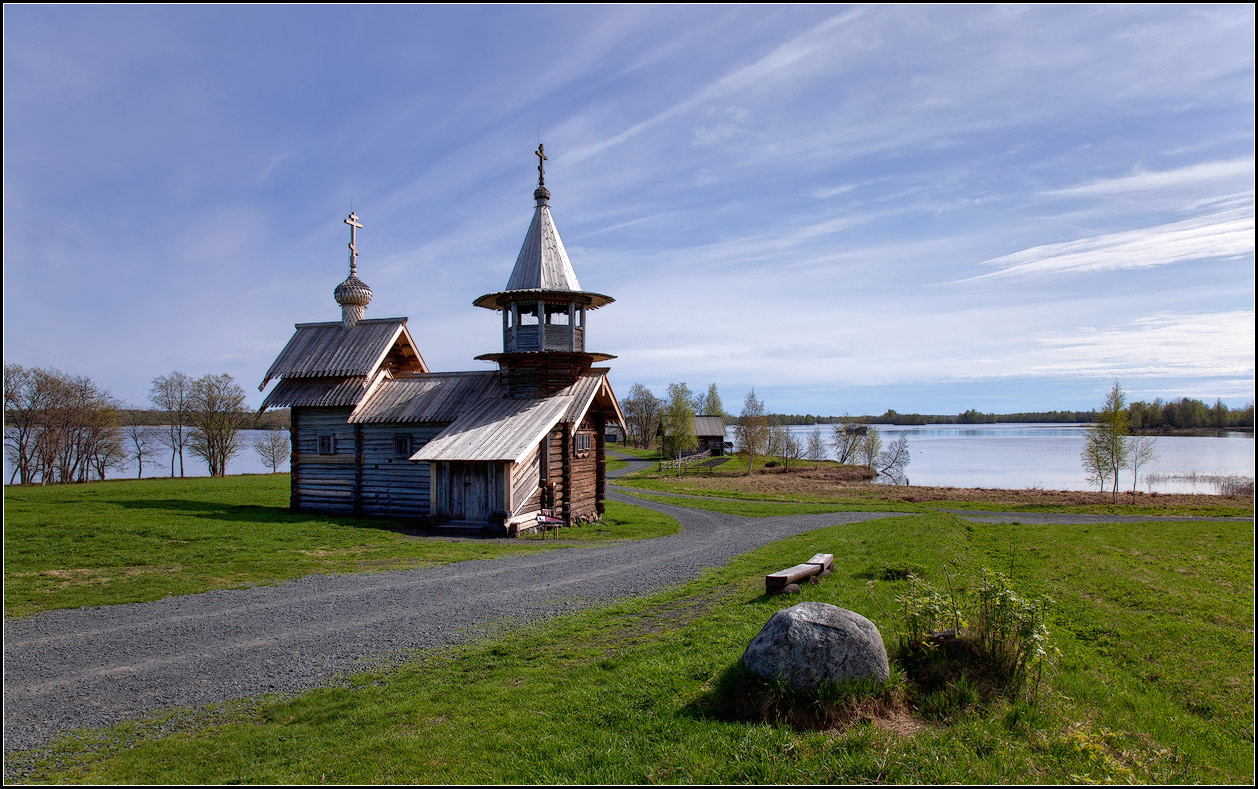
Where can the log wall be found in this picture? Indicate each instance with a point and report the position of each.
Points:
(323, 483)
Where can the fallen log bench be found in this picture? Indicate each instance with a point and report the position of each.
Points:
(788, 580)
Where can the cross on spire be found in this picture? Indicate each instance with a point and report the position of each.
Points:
(354, 226)
(540, 153)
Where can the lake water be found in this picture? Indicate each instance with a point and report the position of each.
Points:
(1047, 456)
(971, 456)
(157, 464)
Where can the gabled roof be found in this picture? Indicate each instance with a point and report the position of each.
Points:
(322, 350)
(709, 425)
(432, 397)
(704, 425)
(501, 429)
(498, 428)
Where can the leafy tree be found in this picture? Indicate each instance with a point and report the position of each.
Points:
(712, 403)
(751, 434)
(217, 414)
(1105, 449)
(642, 411)
(679, 421)
(870, 446)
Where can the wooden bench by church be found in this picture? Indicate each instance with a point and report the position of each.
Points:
(788, 580)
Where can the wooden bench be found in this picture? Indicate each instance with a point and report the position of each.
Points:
(788, 580)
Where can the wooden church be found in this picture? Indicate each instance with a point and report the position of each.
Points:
(374, 431)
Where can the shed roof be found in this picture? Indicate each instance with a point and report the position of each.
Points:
(331, 350)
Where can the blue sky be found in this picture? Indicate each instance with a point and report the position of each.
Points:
(850, 208)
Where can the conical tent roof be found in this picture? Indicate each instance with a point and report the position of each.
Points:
(543, 262)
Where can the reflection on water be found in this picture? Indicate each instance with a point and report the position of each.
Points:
(1047, 456)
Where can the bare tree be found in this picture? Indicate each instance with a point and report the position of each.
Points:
(891, 461)
(274, 448)
(1140, 450)
(23, 407)
(217, 406)
(816, 448)
(642, 415)
(751, 434)
(171, 394)
(789, 447)
(141, 439)
(846, 438)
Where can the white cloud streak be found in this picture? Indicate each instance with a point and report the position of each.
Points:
(1228, 234)
(1206, 172)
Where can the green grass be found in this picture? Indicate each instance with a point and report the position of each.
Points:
(640, 454)
(1154, 683)
(129, 541)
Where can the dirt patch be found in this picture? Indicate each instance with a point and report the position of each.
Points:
(848, 484)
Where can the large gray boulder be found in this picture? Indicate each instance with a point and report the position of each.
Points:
(809, 643)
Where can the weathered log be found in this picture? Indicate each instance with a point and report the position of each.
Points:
(775, 582)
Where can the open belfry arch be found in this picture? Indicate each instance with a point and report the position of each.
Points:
(376, 432)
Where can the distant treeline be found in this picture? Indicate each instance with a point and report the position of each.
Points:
(1183, 414)
(269, 420)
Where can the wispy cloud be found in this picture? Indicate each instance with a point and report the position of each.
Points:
(1227, 234)
(1164, 345)
(1206, 172)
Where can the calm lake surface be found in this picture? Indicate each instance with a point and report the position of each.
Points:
(970, 456)
(1017, 455)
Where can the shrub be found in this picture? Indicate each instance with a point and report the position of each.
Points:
(958, 652)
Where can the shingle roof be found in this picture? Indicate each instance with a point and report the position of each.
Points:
(543, 262)
(331, 350)
(709, 426)
(433, 397)
(498, 428)
(315, 392)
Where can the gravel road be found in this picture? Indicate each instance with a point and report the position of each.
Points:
(95, 666)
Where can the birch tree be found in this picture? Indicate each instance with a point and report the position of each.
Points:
(1105, 448)
(751, 434)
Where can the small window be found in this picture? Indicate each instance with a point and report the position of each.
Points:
(327, 444)
(402, 446)
(581, 443)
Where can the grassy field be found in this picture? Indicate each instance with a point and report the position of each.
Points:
(129, 541)
(1153, 684)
